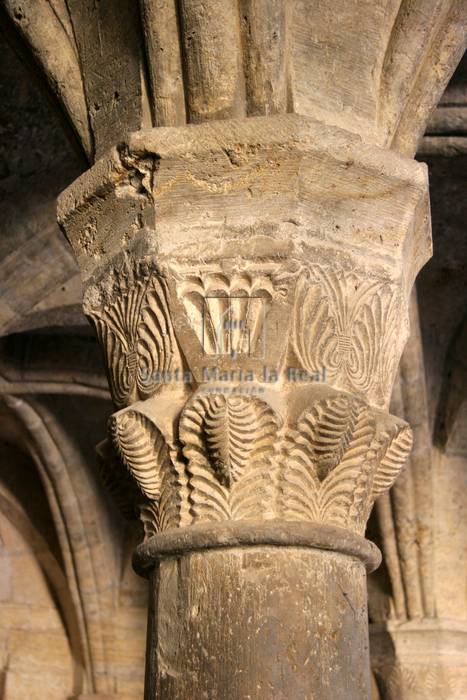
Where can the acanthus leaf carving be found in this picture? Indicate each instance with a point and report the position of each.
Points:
(330, 457)
(229, 438)
(233, 461)
(346, 500)
(149, 516)
(328, 428)
(117, 480)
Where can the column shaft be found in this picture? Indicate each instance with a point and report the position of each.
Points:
(258, 622)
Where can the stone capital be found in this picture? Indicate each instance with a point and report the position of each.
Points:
(420, 658)
(249, 284)
(250, 291)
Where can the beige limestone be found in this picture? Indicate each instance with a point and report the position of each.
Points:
(420, 659)
(34, 647)
(278, 414)
(372, 68)
(288, 241)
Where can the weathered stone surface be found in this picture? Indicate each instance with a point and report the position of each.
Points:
(259, 622)
(237, 423)
(422, 520)
(249, 282)
(375, 69)
(421, 659)
(108, 45)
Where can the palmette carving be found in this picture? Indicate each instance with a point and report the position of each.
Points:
(227, 313)
(349, 324)
(130, 313)
(229, 445)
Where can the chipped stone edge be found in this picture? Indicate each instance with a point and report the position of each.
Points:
(296, 132)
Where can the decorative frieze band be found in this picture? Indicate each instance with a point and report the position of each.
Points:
(346, 324)
(242, 460)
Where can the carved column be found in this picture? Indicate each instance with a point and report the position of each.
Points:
(249, 282)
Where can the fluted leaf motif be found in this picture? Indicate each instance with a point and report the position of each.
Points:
(349, 324)
(130, 313)
(328, 460)
(328, 427)
(144, 451)
(149, 516)
(227, 313)
(345, 491)
(117, 480)
(229, 438)
(394, 450)
(333, 461)
(229, 444)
